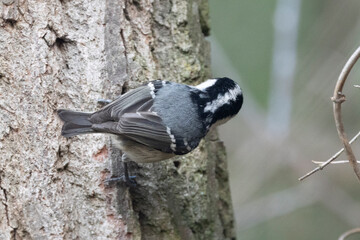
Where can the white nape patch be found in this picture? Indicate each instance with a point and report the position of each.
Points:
(152, 89)
(173, 140)
(221, 100)
(187, 145)
(206, 84)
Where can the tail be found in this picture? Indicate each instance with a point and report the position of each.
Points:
(75, 123)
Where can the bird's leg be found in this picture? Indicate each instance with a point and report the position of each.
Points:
(129, 180)
(104, 102)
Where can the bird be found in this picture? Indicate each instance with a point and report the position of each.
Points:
(160, 119)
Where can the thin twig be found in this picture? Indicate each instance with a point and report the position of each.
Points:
(348, 233)
(333, 162)
(339, 98)
(336, 155)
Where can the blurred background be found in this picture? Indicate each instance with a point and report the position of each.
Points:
(287, 56)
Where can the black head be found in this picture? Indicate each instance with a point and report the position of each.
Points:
(224, 100)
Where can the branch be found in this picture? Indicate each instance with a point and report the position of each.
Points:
(324, 164)
(348, 233)
(339, 98)
(333, 162)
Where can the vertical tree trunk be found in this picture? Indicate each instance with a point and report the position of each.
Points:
(67, 54)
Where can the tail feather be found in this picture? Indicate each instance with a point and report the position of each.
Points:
(75, 123)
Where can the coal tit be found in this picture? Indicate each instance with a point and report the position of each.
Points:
(160, 119)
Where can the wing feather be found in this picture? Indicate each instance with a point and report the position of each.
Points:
(131, 115)
(146, 128)
(143, 127)
(129, 102)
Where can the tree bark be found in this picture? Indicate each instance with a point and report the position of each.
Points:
(67, 54)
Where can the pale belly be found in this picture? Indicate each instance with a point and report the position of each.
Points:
(138, 152)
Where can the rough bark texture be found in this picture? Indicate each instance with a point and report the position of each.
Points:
(67, 54)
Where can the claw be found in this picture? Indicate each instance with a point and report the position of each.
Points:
(130, 182)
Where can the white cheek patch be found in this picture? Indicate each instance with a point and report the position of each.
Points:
(221, 100)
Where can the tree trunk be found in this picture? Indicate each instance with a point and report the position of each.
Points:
(67, 54)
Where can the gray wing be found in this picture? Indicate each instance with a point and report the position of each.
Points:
(146, 128)
(143, 127)
(131, 115)
(138, 99)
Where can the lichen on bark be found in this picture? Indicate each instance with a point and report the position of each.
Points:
(68, 54)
